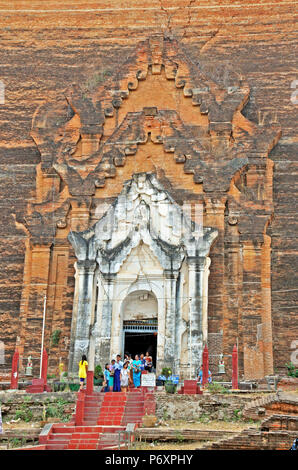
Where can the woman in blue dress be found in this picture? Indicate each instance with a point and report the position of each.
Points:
(117, 368)
(136, 367)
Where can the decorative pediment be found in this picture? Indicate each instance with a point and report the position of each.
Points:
(143, 212)
(212, 154)
(84, 137)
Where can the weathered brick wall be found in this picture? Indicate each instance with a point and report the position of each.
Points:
(46, 47)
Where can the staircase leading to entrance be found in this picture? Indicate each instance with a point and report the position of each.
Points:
(105, 419)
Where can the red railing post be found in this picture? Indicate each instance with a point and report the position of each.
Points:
(205, 365)
(15, 371)
(89, 386)
(79, 416)
(44, 367)
(235, 368)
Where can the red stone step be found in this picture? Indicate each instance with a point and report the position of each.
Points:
(82, 446)
(83, 441)
(56, 446)
(110, 422)
(61, 428)
(59, 437)
(91, 435)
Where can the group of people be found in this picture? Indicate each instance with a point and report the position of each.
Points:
(118, 375)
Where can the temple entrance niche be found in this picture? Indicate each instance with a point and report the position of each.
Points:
(144, 245)
(140, 324)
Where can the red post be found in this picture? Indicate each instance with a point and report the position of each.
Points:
(89, 386)
(235, 368)
(44, 366)
(79, 416)
(205, 365)
(15, 371)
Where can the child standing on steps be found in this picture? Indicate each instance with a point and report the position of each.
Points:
(83, 368)
(107, 375)
(124, 377)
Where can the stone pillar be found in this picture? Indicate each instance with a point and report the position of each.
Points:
(179, 328)
(266, 300)
(74, 318)
(233, 266)
(104, 348)
(252, 309)
(32, 308)
(215, 217)
(205, 274)
(197, 272)
(170, 317)
(84, 286)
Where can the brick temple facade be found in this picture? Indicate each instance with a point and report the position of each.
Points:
(148, 155)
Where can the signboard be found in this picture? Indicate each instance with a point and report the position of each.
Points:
(148, 380)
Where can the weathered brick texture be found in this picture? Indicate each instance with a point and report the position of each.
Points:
(197, 92)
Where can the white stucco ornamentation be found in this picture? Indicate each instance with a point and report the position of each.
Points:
(144, 242)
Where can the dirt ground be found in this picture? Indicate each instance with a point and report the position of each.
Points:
(171, 446)
(192, 445)
(20, 425)
(216, 425)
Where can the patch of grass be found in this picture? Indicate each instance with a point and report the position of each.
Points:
(217, 388)
(15, 442)
(237, 415)
(179, 436)
(56, 410)
(24, 413)
(203, 418)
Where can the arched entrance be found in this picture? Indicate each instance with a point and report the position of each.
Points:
(140, 324)
(143, 261)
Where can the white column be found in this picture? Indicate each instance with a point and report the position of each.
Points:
(105, 333)
(197, 269)
(170, 281)
(84, 296)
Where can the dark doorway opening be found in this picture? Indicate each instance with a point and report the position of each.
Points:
(138, 343)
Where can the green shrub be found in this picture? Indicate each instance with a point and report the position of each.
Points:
(59, 386)
(55, 337)
(56, 410)
(98, 373)
(24, 413)
(74, 387)
(292, 371)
